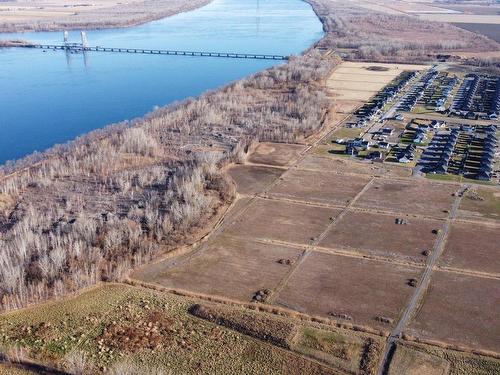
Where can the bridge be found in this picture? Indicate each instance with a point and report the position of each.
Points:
(76, 47)
(83, 46)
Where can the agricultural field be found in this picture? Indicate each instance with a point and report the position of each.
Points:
(472, 322)
(278, 154)
(364, 291)
(490, 30)
(473, 247)
(252, 179)
(222, 266)
(357, 82)
(425, 198)
(283, 221)
(379, 235)
(348, 166)
(314, 186)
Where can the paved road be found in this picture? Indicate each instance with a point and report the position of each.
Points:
(423, 283)
(453, 120)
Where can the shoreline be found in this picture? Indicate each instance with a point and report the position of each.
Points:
(119, 16)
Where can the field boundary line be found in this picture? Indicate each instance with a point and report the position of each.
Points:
(282, 284)
(422, 287)
(468, 272)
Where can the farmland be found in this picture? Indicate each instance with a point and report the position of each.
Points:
(473, 321)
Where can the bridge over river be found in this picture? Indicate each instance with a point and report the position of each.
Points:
(77, 48)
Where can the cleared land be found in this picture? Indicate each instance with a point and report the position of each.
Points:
(229, 267)
(284, 221)
(412, 362)
(279, 154)
(326, 285)
(423, 198)
(18, 16)
(358, 82)
(473, 247)
(462, 18)
(319, 187)
(379, 235)
(490, 30)
(481, 203)
(473, 319)
(251, 179)
(349, 166)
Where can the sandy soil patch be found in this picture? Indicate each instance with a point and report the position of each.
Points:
(473, 319)
(363, 289)
(285, 221)
(379, 235)
(472, 247)
(319, 187)
(358, 81)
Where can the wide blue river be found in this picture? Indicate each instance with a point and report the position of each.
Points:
(51, 97)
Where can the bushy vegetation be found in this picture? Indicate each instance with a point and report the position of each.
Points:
(378, 36)
(92, 209)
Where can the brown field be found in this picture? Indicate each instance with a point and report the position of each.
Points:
(350, 166)
(408, 7)
(319, 187)
(279, 154)
(283, 221)
(472, 247)
(87, 14)
(462, 18)
(229, 267)
(491, 30)
(353, 81)
(379, 235)
(412, 362)
(480, 203)
(423, 198)
(475, 9)
(460, 309)
(364, 289)
(251, 179)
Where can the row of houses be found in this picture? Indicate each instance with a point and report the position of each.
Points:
(488, 157)
(478, 97)
(369, 110)
(410, 99)
(462, 103)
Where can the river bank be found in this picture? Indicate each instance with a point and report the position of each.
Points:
(77, 15)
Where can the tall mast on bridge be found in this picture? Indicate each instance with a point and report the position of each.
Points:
(85, 42)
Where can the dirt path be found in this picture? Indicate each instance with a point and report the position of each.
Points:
(423, 283)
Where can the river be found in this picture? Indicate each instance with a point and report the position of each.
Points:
(52, 97)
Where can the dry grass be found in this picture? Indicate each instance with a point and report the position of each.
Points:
(472, 322)
(50, 15)
(116, 324)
